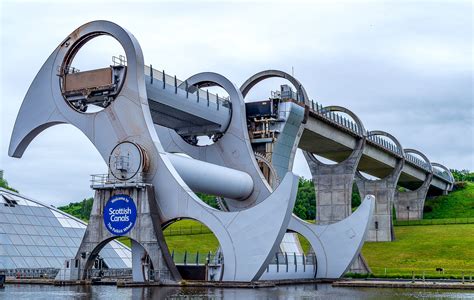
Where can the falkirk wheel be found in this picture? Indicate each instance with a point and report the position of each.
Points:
(143, 118)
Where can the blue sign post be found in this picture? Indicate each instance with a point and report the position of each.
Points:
(120, 214)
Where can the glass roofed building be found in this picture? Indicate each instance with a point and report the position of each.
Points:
(35, 237)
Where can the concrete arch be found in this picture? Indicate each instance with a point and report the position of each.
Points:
(260, 76)
(434, 164)
(357, 152)
(451, 177)
(386, 134)
(425, 158)
(360, 125)
(409, 204)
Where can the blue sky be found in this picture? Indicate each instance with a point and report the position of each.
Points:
(404, 67)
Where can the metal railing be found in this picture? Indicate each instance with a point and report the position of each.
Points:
(423, 273)
(125, 273)
(286, 262)
(108, 179)
(418, 162)
(28, 273)
(442, 174)
(186, 230)
(447, 221)
(335, 118)
(339, 120)
(197, 258)
(177, 85)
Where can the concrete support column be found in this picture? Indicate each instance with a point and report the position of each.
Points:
(333, 185)
(409, 205)
(381, 229)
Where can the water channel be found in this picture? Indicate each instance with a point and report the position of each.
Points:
(302, 291)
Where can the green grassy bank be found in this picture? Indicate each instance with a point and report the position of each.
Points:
(423, 249)
(457, 204)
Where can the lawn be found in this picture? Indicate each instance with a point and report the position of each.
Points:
(187, 242)
(424, 248)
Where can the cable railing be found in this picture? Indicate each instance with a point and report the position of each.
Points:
(176, 85)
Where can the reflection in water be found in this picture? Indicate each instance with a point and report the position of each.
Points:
(303, 291)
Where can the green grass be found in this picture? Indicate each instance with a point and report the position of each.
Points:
(445, 221)
(457, 204)
(186, 241)
(423, 249)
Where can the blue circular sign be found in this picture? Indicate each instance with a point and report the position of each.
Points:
(120, 214)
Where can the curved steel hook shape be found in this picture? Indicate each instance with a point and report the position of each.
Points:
(260, 76)
(128, 118)
(337, 245)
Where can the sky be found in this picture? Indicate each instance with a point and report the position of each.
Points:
(405, 67)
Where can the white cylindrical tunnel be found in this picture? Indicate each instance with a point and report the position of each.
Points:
(212, 179)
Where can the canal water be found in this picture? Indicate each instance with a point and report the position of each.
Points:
(303, 291)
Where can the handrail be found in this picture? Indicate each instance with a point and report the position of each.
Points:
(175, 83)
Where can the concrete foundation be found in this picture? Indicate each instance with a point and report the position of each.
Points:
(153, 262)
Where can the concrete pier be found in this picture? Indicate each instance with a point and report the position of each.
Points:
(381, 228)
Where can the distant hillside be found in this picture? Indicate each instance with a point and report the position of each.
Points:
(457, 204)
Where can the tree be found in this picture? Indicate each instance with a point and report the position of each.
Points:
(4, 184)
(462, 175)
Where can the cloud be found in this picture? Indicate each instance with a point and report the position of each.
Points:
(405, 68)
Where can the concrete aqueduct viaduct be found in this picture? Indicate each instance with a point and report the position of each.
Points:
(144, 118)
